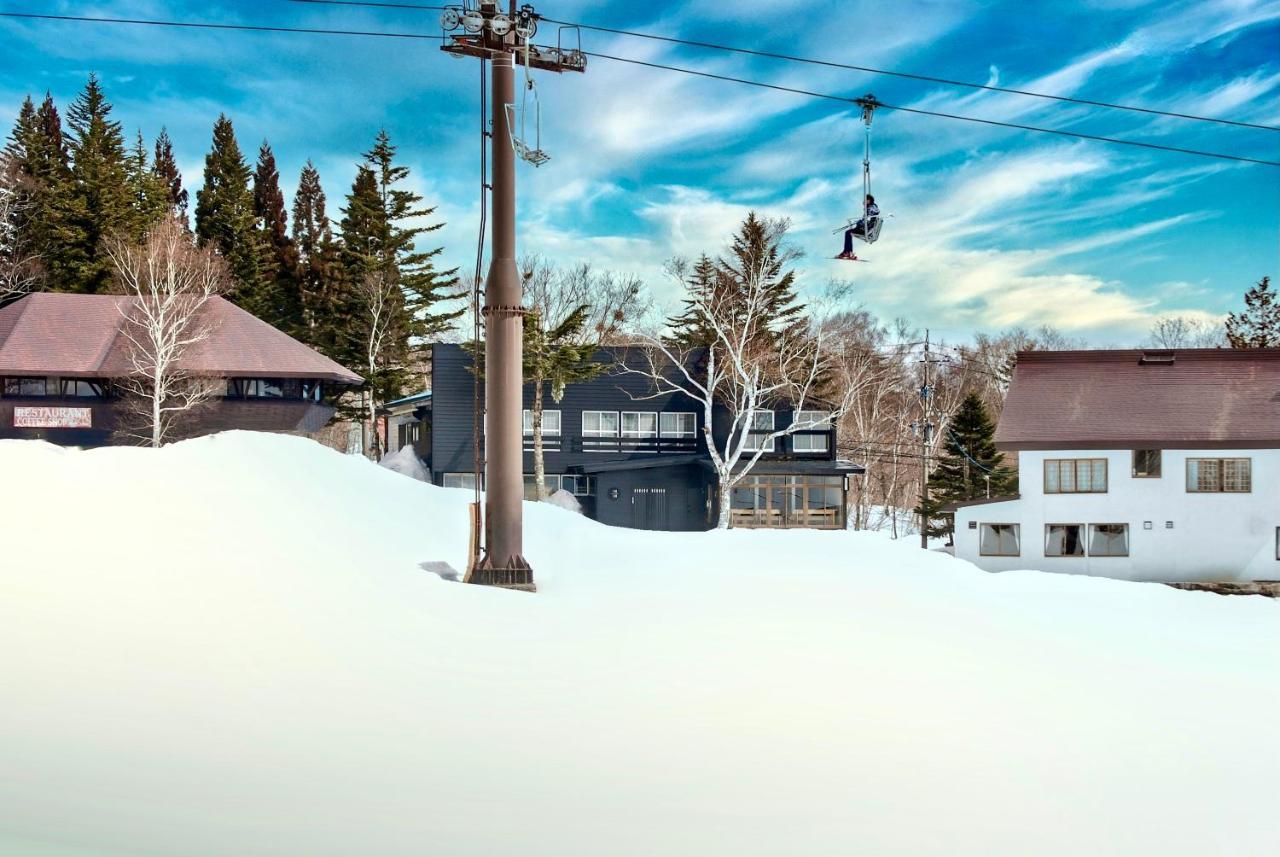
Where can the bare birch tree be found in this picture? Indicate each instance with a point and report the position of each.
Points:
(380, 296)
(19, 266)
(743, 371)
(1185, 332)
(167, 284)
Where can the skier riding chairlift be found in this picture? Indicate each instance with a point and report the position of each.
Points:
(867, 228)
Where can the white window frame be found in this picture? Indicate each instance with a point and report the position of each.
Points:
(601, 432)
(820, 424)
(459, 480)
(637, 433)
(678, 432)
(810, 442)
(526, 419)
(753, 429)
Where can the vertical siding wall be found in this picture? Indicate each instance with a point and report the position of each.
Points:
(1214, 536)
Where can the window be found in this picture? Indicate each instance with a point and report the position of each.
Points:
(998, 540)
(550, 423)
(599, 423)
(1108, 540)
(639, 424)
(24, 386)
(1146, 464)
(460, 480)
(1219, 475)
(581, 486)
(810, 442)
(1075, 476)
(761, 427)
(818, 419)
(788, 501)
(410, 433)
(255, 388)
(1063, 540)
(76, 387)
(312, 390)
(678, 424)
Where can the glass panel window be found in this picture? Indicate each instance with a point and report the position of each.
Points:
(758, 438)
(678, 424)
(1146, 463)
(80, 388)
(813, 419)
(599, 423)
(550, 423)
(25, 386)
(1108, 540)
(1064, 540)
(1075, 476)
(810, 442)
(1219, 475)
(998, 540)
(460, 480)
(639, 424)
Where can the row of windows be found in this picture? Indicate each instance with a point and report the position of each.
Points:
(649, 424)
(236, 388)
(582, 486)
(1059, 540)
(1204, 475)
(65, 387)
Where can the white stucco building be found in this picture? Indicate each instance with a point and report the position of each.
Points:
(1138, 465)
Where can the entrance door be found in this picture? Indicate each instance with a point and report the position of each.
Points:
(649, 508)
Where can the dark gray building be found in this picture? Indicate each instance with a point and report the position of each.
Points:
(642, 462)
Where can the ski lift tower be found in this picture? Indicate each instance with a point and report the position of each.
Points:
(503, 39)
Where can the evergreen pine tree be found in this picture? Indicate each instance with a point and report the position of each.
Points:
(319, 264)
(757, 260)
(277, 256)
(224, 215)
(165, 166)
(1259, 325)
(689, 328)
(378, 240)
(148, 193)
(100, 182)
(37, 149)
(969, 466)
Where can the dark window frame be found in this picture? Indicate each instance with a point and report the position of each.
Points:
(11, 388)
(1017, 538)
(1081, 540)
(1089, 544)
(1220, 466)
(1159, 468)
(1075, 475)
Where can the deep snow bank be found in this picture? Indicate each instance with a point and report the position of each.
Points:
(228, 647)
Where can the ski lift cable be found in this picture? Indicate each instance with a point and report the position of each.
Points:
(927, 78)
(694, 72)
(993, 122)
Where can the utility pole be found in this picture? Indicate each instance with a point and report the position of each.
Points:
(504, 40)
(926, 440)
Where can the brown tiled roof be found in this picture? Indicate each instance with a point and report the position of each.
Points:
(1189, 398)
(79, 336)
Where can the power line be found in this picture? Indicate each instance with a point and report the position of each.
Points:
(694, 72)
(844, 66)
(196, 25)
(847, 100)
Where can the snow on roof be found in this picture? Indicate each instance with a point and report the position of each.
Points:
(79, 336)
(1189, 398)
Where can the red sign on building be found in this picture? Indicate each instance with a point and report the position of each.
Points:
(52, 417)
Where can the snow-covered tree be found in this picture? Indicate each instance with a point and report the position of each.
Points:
(168, 283)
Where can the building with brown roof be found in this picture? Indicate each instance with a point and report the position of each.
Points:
(1143, 465)
(60, 355)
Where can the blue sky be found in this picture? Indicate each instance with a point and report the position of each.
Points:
(991, 227)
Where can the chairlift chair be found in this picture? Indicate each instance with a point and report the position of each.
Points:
(872, 225)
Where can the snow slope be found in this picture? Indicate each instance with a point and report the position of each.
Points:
(226, 647)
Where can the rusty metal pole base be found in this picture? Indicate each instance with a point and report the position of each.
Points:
(515, 573)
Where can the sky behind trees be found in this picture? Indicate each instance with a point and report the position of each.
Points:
(991, 227)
